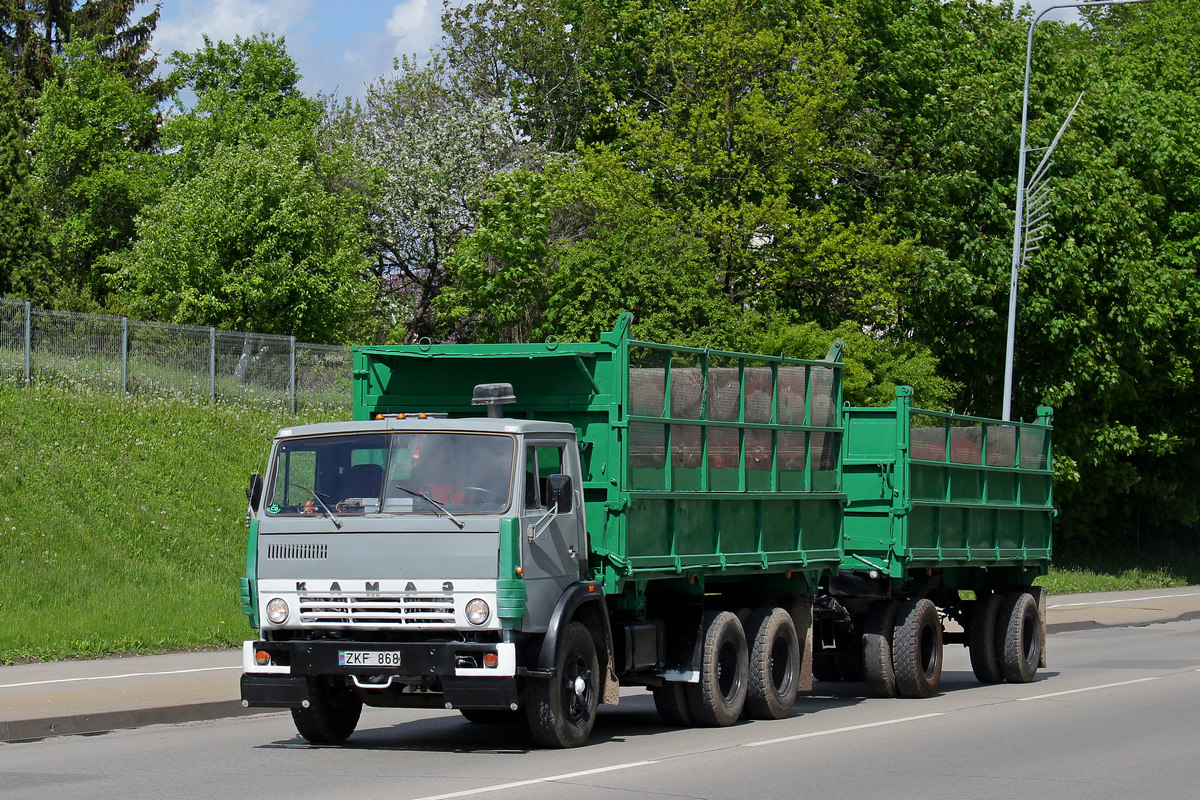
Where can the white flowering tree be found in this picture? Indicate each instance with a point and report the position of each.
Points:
(427, 150)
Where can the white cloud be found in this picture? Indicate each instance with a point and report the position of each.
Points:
(415, 25)
(224, 19)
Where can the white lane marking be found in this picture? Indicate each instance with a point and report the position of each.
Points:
(1092, 688)
(518, 784)
(1123, 600)
(115, 677)
(864, 726)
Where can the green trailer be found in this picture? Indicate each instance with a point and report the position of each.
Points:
(515, 531)
(949, 518)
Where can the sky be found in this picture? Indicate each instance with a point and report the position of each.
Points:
(339, 45)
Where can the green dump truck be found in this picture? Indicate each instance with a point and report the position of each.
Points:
(515, 531)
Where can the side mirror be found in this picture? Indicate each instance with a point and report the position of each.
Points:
(559, 492)
(254, 490)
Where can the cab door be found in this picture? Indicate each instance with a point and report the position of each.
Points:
(553, 548)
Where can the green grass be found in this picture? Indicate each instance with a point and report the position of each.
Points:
(122, 521)
(1118, 570)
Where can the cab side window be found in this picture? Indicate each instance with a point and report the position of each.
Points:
(541, 462)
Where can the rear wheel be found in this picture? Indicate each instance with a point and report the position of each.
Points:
(1020, 642)
(878, 628)
(561, 710)
(982, 640)
(332, 713)
(917, 648)
(717, 700)
(774, 664)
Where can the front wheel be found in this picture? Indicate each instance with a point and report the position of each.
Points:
(561, 710)
(332, 713)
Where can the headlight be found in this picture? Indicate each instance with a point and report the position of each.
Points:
(277, 610)
(478, 612)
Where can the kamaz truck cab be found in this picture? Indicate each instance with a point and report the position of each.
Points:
(412, 560)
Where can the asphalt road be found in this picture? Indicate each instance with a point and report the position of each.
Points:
(1116, 716)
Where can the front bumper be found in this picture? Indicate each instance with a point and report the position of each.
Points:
(425, 667)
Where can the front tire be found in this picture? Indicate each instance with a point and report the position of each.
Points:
(332, 713)
(718, 699)
(561, 710)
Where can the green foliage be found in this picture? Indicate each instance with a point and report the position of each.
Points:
(23, 249)
(32, 33)
(875, 365)
(252, 242)
(246, 95)
(91, 170)
(249, 235)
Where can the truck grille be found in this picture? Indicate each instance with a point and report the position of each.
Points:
(378, 611)
(294, 551)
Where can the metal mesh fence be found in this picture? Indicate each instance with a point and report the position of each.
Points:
(185, 362)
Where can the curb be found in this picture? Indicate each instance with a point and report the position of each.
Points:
(32, 730)
(1091, 625)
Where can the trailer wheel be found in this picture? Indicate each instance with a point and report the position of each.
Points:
(332, 713)
(561, 710)
(774, 664)
(917, 648)
(717, 700)
(671, 701)
(982, 640)
(878, 628)
(1020, 637)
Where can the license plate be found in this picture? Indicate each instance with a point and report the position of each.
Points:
(368, 658)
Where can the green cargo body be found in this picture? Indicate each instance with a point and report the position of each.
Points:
(699, 466)
(965, 497)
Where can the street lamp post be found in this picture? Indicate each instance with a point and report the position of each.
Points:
(1020, 205)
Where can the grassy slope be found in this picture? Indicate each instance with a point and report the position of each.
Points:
(122, 524)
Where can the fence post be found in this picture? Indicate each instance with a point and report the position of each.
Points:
(125, 354)
(212, 364)
(28, 339)
(292, 381)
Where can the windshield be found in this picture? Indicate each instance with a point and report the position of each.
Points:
(392, 473)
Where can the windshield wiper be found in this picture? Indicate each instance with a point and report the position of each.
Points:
(337, 523)
(436, 505)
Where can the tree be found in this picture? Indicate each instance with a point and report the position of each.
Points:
(252, 242)
(32, 33)
(249, 234)
(23, 248)
(92, 171)
(430, 151)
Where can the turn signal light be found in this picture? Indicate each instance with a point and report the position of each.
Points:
(491, 660)
(262, 658)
